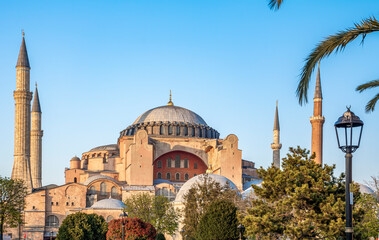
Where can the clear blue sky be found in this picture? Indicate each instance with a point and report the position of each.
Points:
(100, 64)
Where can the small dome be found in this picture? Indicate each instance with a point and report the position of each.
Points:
(199, 179)
(247, 185)
(75, 159)
(170, 113)
(108, 204)
(365, 189)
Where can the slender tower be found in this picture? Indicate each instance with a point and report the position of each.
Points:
(317, 120)
(22, 97)
(276, 146)
(36, 143)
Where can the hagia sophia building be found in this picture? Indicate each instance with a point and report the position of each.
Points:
(162, 152)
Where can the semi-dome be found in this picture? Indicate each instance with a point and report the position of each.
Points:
(171, 120)
(108, 204)
(199, 179)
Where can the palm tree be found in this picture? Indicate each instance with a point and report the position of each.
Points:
(334, 43)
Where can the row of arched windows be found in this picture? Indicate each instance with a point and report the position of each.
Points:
(103, 190)
(177, 176)
(52, 221)
(177, 163)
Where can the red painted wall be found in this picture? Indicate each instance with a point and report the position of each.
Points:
(192, 159)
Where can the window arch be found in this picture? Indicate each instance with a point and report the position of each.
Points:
(103, 188)
(193, 131)
(177, 176)
(75, 180)
(185, 131)
(169, 130)
(168, 176)
(200, 132)
(52, 221)
(186, 176)
(185, 163)
(161, 130)
(177, 161)
(159, 164)
(178, 130)
(114, 192)
(159, 175)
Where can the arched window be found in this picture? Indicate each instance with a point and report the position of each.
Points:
(185, 131)
(165, 191)
(177, 161)
(92, 190)
(186, 176)
(195, 165)
(169, 130)
(159, 175)
(114, 192)
(193, 131)
(161, 130)
(75, 180)
(159, 164)
(205, 133)
(169, 163)
(200, 132)
(177, 130)
(168, 176)
(185, 163)
(52, 221)
(109, 218)
(103, 188)
(177, 176)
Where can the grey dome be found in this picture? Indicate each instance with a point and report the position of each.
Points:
(365, 189)
(247, 185)
(198, 179)
(75, 159)
(96, 177)
(108, 204)
(110, 147)
(170, 114)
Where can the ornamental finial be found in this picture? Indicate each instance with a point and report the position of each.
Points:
(209, 170)
(170, 103)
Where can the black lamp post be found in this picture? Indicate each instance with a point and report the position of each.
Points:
(122, 216)
(241, 229)
(349, 131)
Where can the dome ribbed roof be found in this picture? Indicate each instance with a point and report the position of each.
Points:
(170, 114)
(108, 204)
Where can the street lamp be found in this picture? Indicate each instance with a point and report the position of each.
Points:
(122, 216)
(348, 142)
(241, 229)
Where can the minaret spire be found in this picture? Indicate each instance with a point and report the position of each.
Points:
(36, 142)
(22, 97)
(317, 120)
(276, 146)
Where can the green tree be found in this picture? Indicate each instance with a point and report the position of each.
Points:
(12, 202)
(368, 225)
(335, 43)
(81, 226)
(302, 201)
(156, 210)
(199, 198)
(219, 222)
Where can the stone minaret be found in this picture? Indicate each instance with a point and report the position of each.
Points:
(317, 120)
(276, 146)
(22, 97)
(36, 143)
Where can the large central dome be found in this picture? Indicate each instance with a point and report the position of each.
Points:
(170, 113)
(171, 121)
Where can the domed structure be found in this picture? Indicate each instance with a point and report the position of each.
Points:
(108, 204)
(199, 179)
(171, 120)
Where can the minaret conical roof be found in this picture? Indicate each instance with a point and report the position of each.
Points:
(318, 93)
(276, 121)
(36, 106)
(23, 60)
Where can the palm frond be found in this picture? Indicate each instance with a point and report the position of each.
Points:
(368, 85)
(370, 106)
(332, 43)
(275, 4)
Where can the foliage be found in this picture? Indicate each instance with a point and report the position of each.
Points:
(199, 198)
(12, 202)
(81, 226)
(219, 222)
(160, 236)
(134, 229)
(156, 210)
(335, 43)
(302, 201)
(369, 223)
